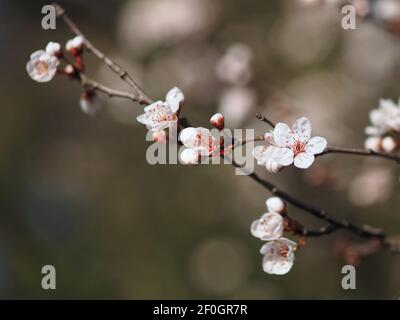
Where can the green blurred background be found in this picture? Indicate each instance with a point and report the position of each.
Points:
(76, 191)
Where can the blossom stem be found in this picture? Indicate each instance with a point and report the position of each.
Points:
(140, 95)
(360, 152)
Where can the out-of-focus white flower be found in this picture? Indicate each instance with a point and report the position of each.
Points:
(373, 185)
(42, 67)
(236, 103)
(218, 121)
(165, 21)
(201, 143)
(234, 66)
(69, 69)
(75, 45)
(385, 118)
(275, 204)
(90, 102)
(295, 145)
(389, 144)
(53, 49)
(269, 227)
(162, 114)
(278, 256)
(373, 143)
(387, 10)
(263, 155)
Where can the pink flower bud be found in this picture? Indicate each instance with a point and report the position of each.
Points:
(218, 121)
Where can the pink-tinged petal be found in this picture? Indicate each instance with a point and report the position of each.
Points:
(302, 129)
(304, 160)
(278, 256)
(282, 135)
(316, 145)
(154, 107)
(189, 156)
(187, 136)
(282, 156)
(175, 99)
(269, 227)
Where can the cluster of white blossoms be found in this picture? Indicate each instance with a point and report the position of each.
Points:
(385, 124)
(44, 65)
(289, 145)
(278, 252)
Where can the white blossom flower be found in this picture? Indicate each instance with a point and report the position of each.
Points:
(275, 204)
(53, 49)
(269, 227)
(295, 145)
(162, 114)
(278, 256)
(385, 118)
(42, 67)
(263, 155)
(234, 66)
(90, 102)
(75, 45)
(389, 144)
(199, 142)
(373, 143)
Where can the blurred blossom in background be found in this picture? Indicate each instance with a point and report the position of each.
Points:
(77, 192)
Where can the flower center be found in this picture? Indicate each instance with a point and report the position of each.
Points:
(41, 67)
(298, 147)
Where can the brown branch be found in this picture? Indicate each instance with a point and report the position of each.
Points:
(360, 152)
(140, 95)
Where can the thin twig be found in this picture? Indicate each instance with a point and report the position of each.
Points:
(140, 95)
(360, 152)
(262, 118)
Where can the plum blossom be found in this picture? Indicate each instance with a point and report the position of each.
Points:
(275, 204)
(269, 227)
(162, 114)
(278, 256)
(199, 143)
(384, 119)
(42, 66)
(263, 155)
(295, 145)
(90, 102)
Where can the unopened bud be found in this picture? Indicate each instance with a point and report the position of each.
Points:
(54, 49)
(90, 102)
(218, 121)
(75, 46)
(275, 204)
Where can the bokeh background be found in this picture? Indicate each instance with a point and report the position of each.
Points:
(76, 191)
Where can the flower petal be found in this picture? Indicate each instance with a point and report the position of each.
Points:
(302, 129)
(189, 156)
(282, 156)
(268, 227)
(187, 136)
(175, 99)
(304, 160)
(316, 145)
(278, 256)
(282, 134)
